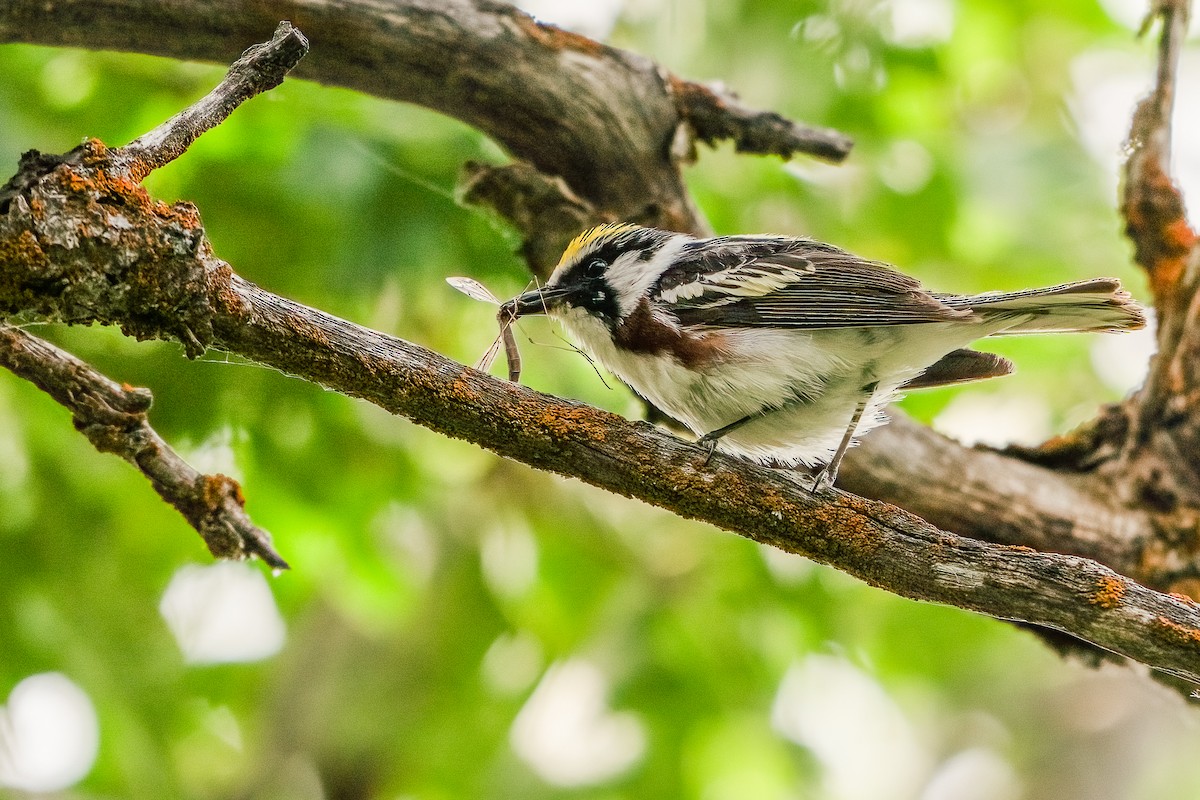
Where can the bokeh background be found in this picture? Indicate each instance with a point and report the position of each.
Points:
(457, 626)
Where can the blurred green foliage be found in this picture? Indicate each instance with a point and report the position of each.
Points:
(436, 585)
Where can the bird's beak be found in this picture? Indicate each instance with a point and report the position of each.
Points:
(541, 301)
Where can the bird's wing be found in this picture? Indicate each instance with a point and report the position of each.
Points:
(760, 281)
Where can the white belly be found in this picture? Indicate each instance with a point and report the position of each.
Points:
(813, 379)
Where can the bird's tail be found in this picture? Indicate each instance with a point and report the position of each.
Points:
(1099, 304)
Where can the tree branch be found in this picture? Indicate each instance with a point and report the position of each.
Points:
(878, 543)
(261, 68)
(113, 418)
(998, 498)
(598, 137)
(716, 113)
(601, 119)
(1159, 460)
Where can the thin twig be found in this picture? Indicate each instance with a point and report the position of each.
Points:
(260, 68)
(113, 418)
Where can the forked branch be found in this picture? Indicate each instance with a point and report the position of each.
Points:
(111, 416)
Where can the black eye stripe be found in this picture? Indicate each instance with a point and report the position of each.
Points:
(645, 242)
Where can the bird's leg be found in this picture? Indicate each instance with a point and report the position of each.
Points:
(828, 474)
(709, 440)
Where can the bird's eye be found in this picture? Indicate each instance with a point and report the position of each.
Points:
(595, 268)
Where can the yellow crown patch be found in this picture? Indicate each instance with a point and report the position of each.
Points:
(589, 237)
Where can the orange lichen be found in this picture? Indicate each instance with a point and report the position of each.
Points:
(461, 390)
(1187, 590)
(1182, 634)
(1108, 593)
(560, 421)
(215, 488)
(25, 250)
(94, 151)
(1156, 222)
(850, 524)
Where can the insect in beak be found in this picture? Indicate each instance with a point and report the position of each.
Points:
(505, 317)
(539, 301)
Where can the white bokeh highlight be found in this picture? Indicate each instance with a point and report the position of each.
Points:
(512, 663)
(978, 773)
(223, 613)
(566, 732)
(866, 746)
(508, 556)
(919, 23)
(1107, 84)
(1121, 362)
(49, 734)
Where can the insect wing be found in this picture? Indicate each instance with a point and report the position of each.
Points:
(473, 289)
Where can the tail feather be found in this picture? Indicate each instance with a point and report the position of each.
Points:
(1098, 305)
(961, 366)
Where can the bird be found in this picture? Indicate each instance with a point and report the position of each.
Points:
(785, 350)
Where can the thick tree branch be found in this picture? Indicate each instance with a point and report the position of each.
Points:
(601, 119)
(113, 418)
(1057, 512)
(604, 125)
(876, 542)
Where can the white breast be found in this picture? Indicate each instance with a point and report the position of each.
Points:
(813, 379)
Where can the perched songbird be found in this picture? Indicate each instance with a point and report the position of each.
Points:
(782, 349)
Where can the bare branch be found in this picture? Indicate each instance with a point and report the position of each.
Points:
(881, 544)
(1159, 457)
(595, 123)
(988, 495)
(715, 113)
(599, 118)
(543, 209)
(261, 67)
(1153, 206)
(113, 418)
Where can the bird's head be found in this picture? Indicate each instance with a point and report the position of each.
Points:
(604, 272)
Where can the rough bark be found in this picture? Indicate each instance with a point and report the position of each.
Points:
(600, 140)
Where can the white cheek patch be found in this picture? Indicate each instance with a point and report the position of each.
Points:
(630, 277)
